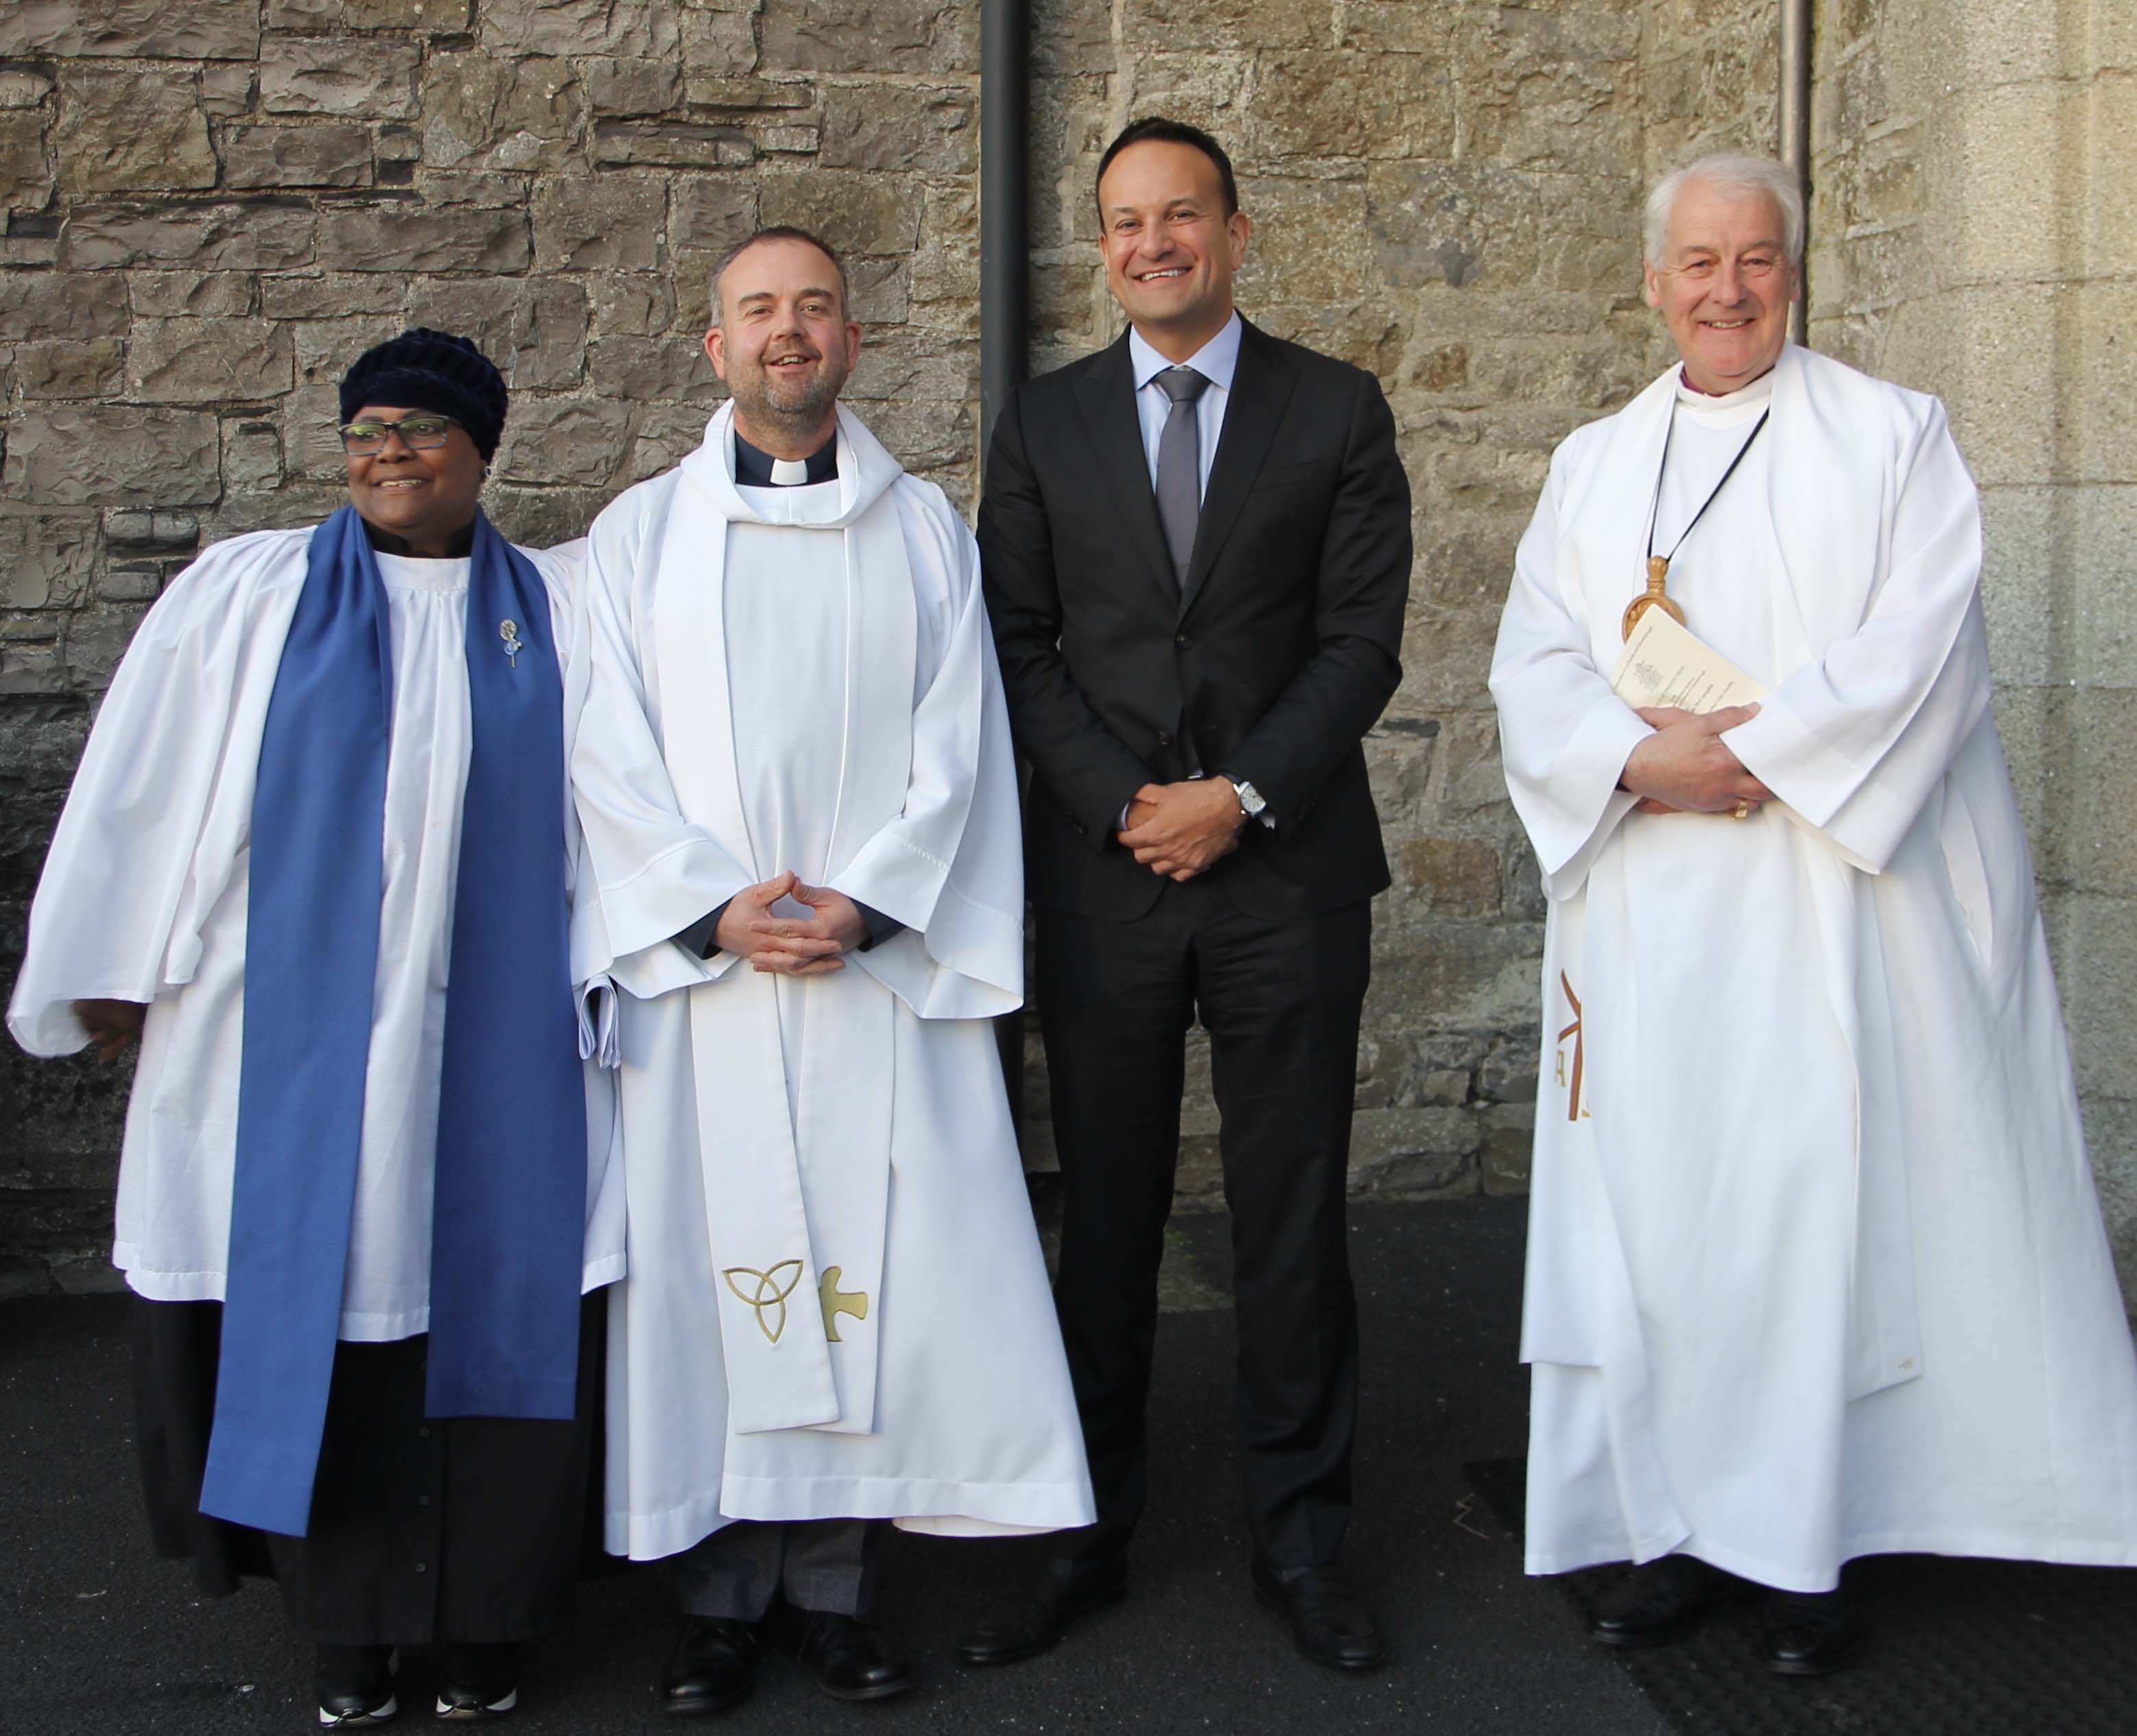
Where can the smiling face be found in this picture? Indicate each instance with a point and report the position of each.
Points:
(1724, 286)
(427, 499)
(1170, 248)
(784, 345)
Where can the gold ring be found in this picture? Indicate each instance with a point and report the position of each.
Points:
(1742, 810)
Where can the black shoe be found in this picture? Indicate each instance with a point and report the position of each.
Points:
(850, 1659)
(1034, 1620)
(1812, 1633)
(1329, 1621)
(712, 1669)
(481, 1681)
(355, 1684)
(1658, 1601)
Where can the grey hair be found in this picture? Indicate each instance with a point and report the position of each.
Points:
(1729, 171)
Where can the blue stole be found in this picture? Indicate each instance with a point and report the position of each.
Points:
(509, 1208)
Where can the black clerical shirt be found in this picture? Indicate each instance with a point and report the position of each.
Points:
(753, 466)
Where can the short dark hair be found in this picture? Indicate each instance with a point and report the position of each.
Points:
(776, 232)
(1170, 132)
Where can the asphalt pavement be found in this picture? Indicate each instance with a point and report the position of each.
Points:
(97, 1635)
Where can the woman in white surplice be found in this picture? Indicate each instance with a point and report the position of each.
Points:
(456, 1525)
(1816, 1269)
(837, 1309)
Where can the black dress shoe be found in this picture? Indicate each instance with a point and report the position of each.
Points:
(1329, 1621)
(850, 1659)
(1032, 1622)
(481, 1682)
(712, 1669)
(1658, 1601)
(1812, 1633)
(355, 1684)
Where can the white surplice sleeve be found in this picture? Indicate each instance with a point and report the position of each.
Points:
(1855, 740)
(655, 872)
(1563, 734)
(563, 569)
(161, 804)
(950, 865)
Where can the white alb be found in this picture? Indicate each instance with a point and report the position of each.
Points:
(1816, 1268)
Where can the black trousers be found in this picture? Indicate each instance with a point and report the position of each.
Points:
(1281, 1001)
(468, 1529)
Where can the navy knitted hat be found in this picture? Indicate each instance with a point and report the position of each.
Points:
(435, 371)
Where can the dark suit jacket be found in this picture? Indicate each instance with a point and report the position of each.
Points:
(1269, 663)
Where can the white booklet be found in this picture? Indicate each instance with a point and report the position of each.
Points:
(1665, 664)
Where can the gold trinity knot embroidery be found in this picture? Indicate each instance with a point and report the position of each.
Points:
(1573, 1112)
(766, 1293)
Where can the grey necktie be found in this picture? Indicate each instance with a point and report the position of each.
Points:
(1179, 465)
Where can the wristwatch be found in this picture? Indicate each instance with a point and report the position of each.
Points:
(1250, 799)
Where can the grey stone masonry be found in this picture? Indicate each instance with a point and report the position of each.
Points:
(1974, 234)
(207, 210)
(211, 208)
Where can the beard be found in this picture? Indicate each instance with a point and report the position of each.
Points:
(799, 402)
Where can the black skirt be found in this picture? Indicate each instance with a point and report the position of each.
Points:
(468, 1529)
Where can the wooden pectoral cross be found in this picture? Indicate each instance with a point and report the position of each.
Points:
(1573, 1097)
(1655, 596)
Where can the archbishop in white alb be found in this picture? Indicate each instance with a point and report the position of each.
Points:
(1816, 1269)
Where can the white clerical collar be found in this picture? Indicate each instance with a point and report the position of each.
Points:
(756, 468)
(1760, 391)
(1217, 361)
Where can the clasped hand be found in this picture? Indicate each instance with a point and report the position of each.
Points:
(788, 946)
(1178, 829)
(1684, 767)
(112, 1024)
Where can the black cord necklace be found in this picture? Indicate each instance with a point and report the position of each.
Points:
(1657, 593)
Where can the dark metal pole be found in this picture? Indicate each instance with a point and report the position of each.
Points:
(1004, 263)
(1004, 296)
(1796, 41)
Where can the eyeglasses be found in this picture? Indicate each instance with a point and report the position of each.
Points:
(418, 433)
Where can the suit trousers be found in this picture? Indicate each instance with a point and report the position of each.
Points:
(814, 1563)
(1281, 1000)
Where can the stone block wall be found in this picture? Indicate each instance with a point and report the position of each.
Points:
(210, 209)
(1974, 235)
(1449, 196)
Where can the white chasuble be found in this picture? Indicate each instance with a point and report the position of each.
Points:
(143, 898)
(1815, 1268)
(843, 1312)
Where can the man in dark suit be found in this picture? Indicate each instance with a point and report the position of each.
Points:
(1196, 550)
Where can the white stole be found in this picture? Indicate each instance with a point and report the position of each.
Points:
(790, 1200)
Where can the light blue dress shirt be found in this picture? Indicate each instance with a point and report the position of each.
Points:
(1216, 361)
